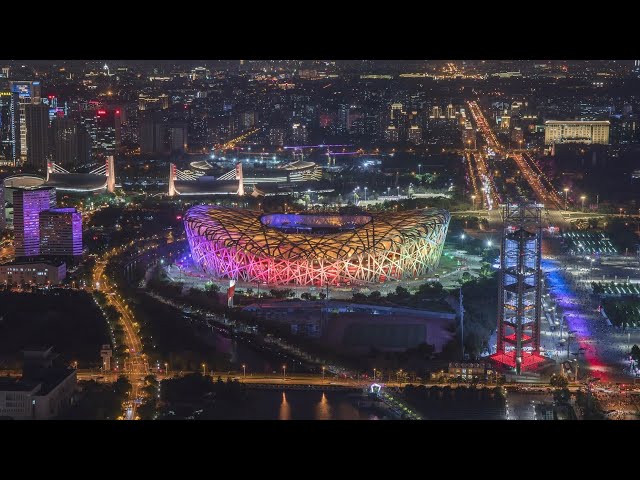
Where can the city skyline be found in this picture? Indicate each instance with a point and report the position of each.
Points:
(320, 239)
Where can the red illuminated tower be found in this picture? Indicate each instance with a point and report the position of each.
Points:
(520, 289)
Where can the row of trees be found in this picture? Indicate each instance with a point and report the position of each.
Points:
(99, 401)
(623, 312)
(429, 296)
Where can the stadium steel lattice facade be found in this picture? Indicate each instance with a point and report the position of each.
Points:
(315, 249)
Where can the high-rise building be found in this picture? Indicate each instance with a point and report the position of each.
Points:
(299, 134)
(37, 118)
(84, 145)
(396, 109)
(576, 131)
(61, 232)
(391, 134)
(451, 112)
(65, 141)
(3, 218)
(517, 137)
(152, 132)
(27, 205)
(415, 135)
(505, 122)
(28, 93)
(276, 137)
(436, 112)
(177, 137)
(343, 119)
(9, 128)
(107, 130)
(247, 120)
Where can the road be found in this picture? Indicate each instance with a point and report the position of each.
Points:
(137, 367)
(536, 179)
(232, 143)
(251, 378)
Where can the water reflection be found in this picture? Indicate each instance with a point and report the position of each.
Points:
(323, 409)
(285, 409)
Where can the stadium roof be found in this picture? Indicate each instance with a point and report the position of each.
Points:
(207, 186)
(77, 182)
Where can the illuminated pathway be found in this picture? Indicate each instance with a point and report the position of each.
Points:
(545, 193)
(137, 364)
(604, 346)
(488, 187)
(232, 143)
(471, 173)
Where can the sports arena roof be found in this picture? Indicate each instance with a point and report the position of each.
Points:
(206, 185)
(77, 182)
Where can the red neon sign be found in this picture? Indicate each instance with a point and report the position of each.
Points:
(102, 112)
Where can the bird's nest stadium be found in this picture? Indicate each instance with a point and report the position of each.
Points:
(315, 249)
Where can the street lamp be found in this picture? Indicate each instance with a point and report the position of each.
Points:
(473, 197)
(323, 368)
(374, 374)
(419, 168)
(166, 369)
(398, 191)
(284, 372)
(582, 197)
(204, 370)
(244, 371)
(365, 194)
(566, 198)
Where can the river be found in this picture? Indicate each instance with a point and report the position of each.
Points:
(305, 405)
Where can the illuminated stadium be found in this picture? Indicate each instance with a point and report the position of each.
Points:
(315, 249)
(99, 180)
(199, 182)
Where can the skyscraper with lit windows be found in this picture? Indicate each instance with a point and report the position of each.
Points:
(27, 205)
(61, 232)
(9, 128)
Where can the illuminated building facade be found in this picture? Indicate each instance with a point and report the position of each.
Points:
(153, 103)
(276, 137)
(315, 249)
(37, 273)
(27, 205)
(9, 128)
(61, 232)
(415, 135)
(28, 93)
(520, 276)
(298, 134)
(576, 132)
